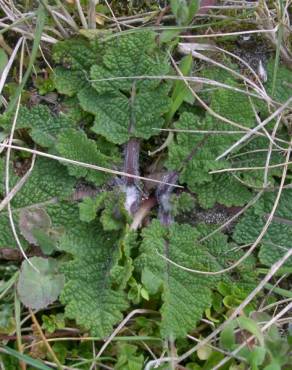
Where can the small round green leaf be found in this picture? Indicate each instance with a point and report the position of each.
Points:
(37, 289)
(3, 60)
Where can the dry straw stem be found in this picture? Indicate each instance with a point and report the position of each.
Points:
(186, 48)
(265, 20)
(113, 15)
(92, 14)
(81, 14)
(86, 165)
(210, 272)
(287, 163)
(118, 328)
(257, 128)
(7, 166)
(59, 25)
(9, 64)
(265, 183)
(201, 80)
(273, 141)
(67, 17)
(18, 186)
(208, 109)
(29, 35)
(275, 304)
(274, 30)
(258, 120)
(272, 289)
(44, 339)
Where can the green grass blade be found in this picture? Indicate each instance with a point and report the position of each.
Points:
(8, 284)
(280, 291)
(41, 19)
(25, 358)
(278, 47)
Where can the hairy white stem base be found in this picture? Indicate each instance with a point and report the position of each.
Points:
(133, 198)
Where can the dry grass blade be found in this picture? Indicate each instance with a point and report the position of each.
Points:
(287, 163)
(185, 78)
(44, 339)
(209, 35)
(257, 128)
(18, 186)
(118, 328)
(7, 170)
(81, 14)
(113, 15)
(207, 108)
(9, 64)
(86, 165)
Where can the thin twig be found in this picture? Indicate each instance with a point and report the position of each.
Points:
(113, 15)
(257, 128)
(9, 64)
(83, 164)
(81, 14)
(118, 328)
(7, 168)
(44, 339)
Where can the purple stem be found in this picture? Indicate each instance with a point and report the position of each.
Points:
(163, 194)
(131, 166)
(131, 162)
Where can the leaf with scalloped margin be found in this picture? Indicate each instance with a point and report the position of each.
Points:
(185, 295)
(69, 82)
(283, 86)
(254, 154)
(118, 120)
(75, 57)
(131, 55)
(196, 152)
(126, 108)
(194, 155)
(224, 189)
(48, 182)
(113, 215)
(88, 295)
(277, 239)
(75, 145)
(76, 53)
(43, 125)
(70, 108)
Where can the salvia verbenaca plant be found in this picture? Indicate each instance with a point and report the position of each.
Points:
(116, 96)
